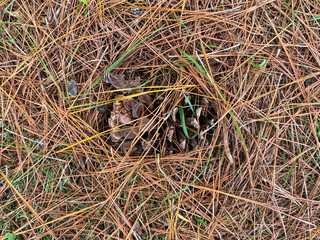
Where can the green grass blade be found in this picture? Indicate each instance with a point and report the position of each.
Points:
(314, 19)
(290, 170)
(183, 123)
(33, 48)
(199, 220)
(151, 79)
(195, 63)
(258, 65)
(221, 95)
(189, 103)
(74, 52)
(238, 129)
(189, 184)
(124, 55)
(264, 61)
(85, 3)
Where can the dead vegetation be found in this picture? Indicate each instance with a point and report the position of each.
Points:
(212, 131)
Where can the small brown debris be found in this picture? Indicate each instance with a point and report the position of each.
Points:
(212, 122)
(170, 133)
(126, 145)
(117, 106)
(183, 144)
(136, 91)
(198, 112)
(194, 144)
(226, 143)
(174, 114)
(201, 135)
(137, 231)
(134, 84)
(193, 122)
(204, 102)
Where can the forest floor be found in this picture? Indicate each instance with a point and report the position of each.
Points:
(189, 119)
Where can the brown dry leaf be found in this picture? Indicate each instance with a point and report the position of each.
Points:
(117, 81)
(137, 231)
(136, 91)
(126, 145)
(147, 100)
(146, 124)
(129, 132)
(183, 144)
(129, 103)
(134, 84)
(124, 119)
(117, 105)
(198, 112)
(192, 122)
(138, 110)
(113, 120)
(116, 136)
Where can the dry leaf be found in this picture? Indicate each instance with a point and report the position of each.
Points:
(113, 120)
(126, 145)
(146, 99)
(129, 132)
(183, 144)
(129, 103)
(146, 124)
(115, 136)
(117, 106)
(117, 81)
(124, 119)
(138, 110)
